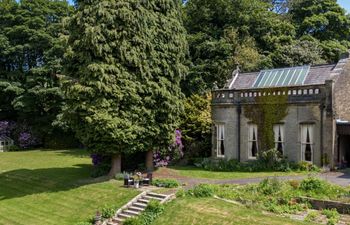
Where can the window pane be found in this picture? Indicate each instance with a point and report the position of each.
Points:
(280, 147)
(254, 144)
(308, 154)
(222, 147)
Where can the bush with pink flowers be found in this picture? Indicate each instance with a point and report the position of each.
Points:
(162, 158)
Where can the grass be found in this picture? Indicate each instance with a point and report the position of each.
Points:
(196, 172)
(211, 211)
(53, 187)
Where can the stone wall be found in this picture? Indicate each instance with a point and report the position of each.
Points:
(342, 94)
(297, 115)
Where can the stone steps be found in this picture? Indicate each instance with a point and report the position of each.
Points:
(136, 206)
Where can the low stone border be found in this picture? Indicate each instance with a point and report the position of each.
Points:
(343, 208)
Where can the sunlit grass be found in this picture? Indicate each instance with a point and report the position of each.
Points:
(53, 187)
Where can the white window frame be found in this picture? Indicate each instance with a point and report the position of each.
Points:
(276, 129)
(251, 129)
(303, 140)
(220, 139)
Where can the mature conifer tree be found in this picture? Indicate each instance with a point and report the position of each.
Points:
(124, 65)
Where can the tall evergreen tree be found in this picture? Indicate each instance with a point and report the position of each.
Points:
(30, 60)
(124, 64)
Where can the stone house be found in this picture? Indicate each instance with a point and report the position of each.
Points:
(316, 127)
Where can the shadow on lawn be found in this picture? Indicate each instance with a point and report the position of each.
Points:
(22, 182)
(79, 153)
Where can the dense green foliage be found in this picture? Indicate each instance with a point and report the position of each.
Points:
(196, 126)
(125, 61)
(258, 34)
(167, 183)
(268, 161)
(267, 111)
(322, 21)
(123, 72)
(31, 50)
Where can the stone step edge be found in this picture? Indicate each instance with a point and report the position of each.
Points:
(126, 206)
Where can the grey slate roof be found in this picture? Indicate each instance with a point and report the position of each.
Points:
(317, 75)
(5, 138)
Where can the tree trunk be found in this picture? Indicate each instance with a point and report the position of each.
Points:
(149, 161)
(116, 165)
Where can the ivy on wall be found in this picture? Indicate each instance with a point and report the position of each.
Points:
(265, 112)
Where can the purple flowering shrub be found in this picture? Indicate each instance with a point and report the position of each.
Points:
(20, 133)
(26, 139)
(96, 159)
(162, 158)
(7, 127)
(101, 163)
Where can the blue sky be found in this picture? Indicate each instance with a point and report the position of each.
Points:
(345, 4)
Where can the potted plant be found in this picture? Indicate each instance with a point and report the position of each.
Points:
(137, 179)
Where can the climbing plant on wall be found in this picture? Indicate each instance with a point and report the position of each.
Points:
(268, 109)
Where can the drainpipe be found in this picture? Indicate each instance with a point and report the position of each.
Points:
(239, 112)
(321, 132)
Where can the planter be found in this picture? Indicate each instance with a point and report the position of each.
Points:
(137, 184)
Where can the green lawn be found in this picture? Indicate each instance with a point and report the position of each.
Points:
(53, 187)
(202, 173)
(210, 211)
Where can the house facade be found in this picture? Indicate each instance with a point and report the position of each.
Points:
(315, 128)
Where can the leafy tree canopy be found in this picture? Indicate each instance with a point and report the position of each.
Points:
(124, 64)
(30, 60)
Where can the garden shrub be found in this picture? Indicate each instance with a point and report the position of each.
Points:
(306, 166)
(14, 148)
(174, 152)
(108, 212)
(181, 193)
(167, 183)
(101, 165)
(294, 183)
(311, 216)
(202, 190)
(119, 176)
(332, 215)
(312, 184)
(267, 161)
(269, 186)
(155, 206)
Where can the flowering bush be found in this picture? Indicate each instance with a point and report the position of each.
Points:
(7, 127)
(162, 158)
(96, 159)
(26, 139)
(101, 163)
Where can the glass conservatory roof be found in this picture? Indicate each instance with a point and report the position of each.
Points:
(282, 77)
